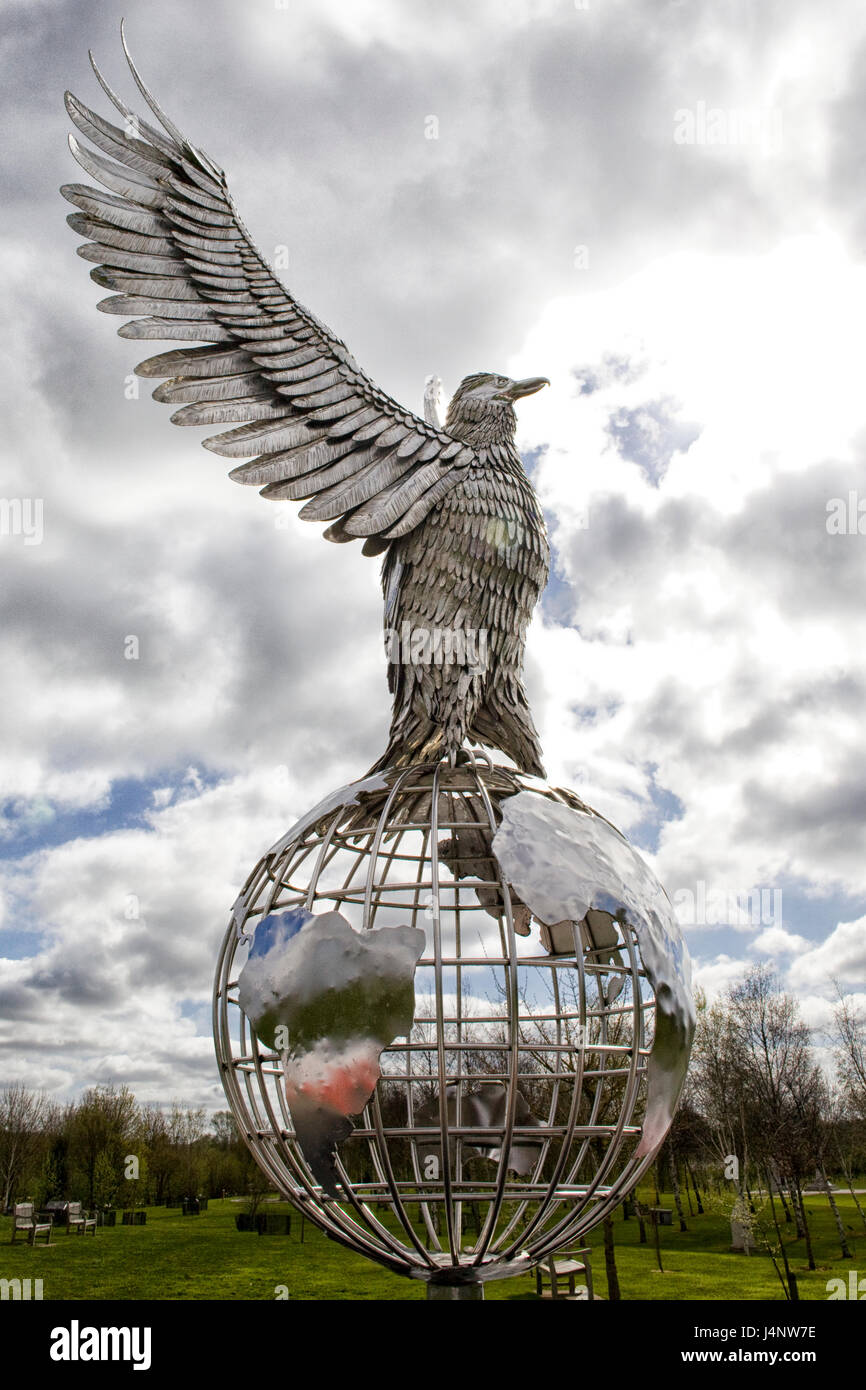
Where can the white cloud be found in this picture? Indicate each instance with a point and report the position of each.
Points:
(842, 957)
(716, 976)
(775, 941)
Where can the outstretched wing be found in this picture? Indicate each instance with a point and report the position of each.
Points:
(168, 240)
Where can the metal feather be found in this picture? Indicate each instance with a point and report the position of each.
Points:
(162, 308)
(222, 412)
(189, 390)
(219, 233)
(165, 328)
(331, 396)
(191, 240)
(194, 362)
(131, 260)
(155, 287)
(269, 439)
(302, 461)
(154, 105)
(114, 141)
(358, 487)
(200, 215)
(290, 385)
(117, 177)
(342, 409)
(107, 235)
(192, 193)
(118, 212)
(135, 122)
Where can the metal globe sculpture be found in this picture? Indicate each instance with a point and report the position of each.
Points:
(510, 1049)
(452, 1010)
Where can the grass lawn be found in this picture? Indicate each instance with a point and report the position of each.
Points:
(175, 1258)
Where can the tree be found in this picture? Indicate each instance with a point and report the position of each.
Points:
(22, 1114)
(105, 1180)
(135, 1186)
(781, 1083)
(47, 1184)
(675, 1181)
(103, 1121)
(851, 1052)
(613, 1291)
(715, 1088)
(186, 1129)
(830, 1119)
(225, 1129)
(849, 1148)
(162, 1156)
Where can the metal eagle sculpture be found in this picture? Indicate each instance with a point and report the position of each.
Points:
(452, 509)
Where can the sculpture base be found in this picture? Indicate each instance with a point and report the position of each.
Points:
(450, 1291)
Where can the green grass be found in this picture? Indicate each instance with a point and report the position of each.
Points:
(178, 1258)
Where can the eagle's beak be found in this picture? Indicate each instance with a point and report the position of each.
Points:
(528, 387)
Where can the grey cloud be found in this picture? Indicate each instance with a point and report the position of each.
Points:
(551, 134)
(774, 553)
(778, 542)
(650, 434)
(816, 819)
(614, 368)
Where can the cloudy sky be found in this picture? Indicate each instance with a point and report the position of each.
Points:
(657, 205)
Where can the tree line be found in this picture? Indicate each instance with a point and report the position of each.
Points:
(106, 1150)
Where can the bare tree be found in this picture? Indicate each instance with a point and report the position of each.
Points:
(715, 1089)
(780, 1083)
(186, 1130)
(161, 1153)
(851, 1052)
(830, 1120)
(613, 1290)
(22, 1114)
(673, 1159)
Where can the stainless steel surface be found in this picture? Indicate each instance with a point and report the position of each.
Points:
(569, 863)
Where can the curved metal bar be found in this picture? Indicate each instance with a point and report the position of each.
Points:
(441, 1058)
(513, 1016)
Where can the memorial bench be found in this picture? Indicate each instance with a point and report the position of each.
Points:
(79, 1221)
(563, 1267)
(25, 1218)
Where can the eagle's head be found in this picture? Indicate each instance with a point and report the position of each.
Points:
(482, 408)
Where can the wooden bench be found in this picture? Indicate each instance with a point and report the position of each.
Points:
(79, 1221)
(25, 1218)
(563, 1267)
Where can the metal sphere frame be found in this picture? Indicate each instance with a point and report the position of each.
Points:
(379, 857)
